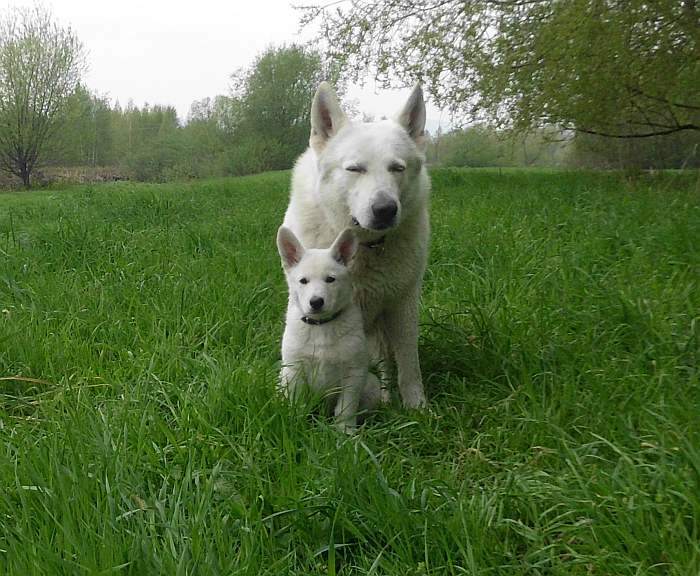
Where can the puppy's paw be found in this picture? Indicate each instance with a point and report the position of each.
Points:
(346, 427)
(414, 400)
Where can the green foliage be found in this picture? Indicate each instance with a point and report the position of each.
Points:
(208, 137)
(625, 68)
(274, 95)
(40, 66)
(680, 150)
(87, 134)
(151, 142)
(609, 67)
(262, 125)
(141, 432)
(480, 146)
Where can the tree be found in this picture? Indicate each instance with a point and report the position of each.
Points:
(479, 145)
(621, 68)
(274, 96)
(154, 145)
(207, 137)
(85, 138)
(679, 150)
(40, 67)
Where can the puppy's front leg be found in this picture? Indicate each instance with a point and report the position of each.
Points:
(349, 399)
(401, 325)
(289, 380)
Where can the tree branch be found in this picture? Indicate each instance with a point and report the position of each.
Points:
(680, 128)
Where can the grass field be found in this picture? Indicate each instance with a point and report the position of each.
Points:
(140, 432)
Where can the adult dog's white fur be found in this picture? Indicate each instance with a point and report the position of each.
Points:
(324, 346)
(346, 178)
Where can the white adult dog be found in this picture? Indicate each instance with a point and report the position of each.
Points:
(372, 177)
(324, 346)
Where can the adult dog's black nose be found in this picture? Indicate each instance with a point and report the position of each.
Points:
(316, 303)
(384, 211)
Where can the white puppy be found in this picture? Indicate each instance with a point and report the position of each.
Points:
(324, 345)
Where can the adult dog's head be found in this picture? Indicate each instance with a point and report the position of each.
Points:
(369, 172)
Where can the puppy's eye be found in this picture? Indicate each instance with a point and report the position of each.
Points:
(329, 279)
(396, 167)
(356, 168)
(304, 281)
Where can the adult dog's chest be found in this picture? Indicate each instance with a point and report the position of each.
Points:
(379, 278)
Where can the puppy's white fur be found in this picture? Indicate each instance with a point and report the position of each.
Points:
(336, 184)
(324, 346)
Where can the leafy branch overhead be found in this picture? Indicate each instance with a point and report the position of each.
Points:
(618, 68)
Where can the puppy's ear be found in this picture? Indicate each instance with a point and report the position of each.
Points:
(345, 247)
(289, 247)
(412, 117)
(326, 117)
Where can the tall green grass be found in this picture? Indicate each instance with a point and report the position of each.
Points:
(140, 431)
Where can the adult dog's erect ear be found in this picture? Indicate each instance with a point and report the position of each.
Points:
(412, 117)
(289, 247)
(345, 247)
(326, 116)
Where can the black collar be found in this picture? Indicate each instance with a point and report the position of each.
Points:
(314, 322)
(374, 243)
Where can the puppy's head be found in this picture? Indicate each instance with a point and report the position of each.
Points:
(318, 279)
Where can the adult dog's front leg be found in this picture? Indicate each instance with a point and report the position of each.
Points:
(401, 328)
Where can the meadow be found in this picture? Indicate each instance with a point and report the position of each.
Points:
(140, 432)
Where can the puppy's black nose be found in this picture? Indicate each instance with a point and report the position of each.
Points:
(316, 303)
(384, 211)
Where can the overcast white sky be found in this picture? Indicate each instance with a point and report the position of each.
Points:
(172, 52)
